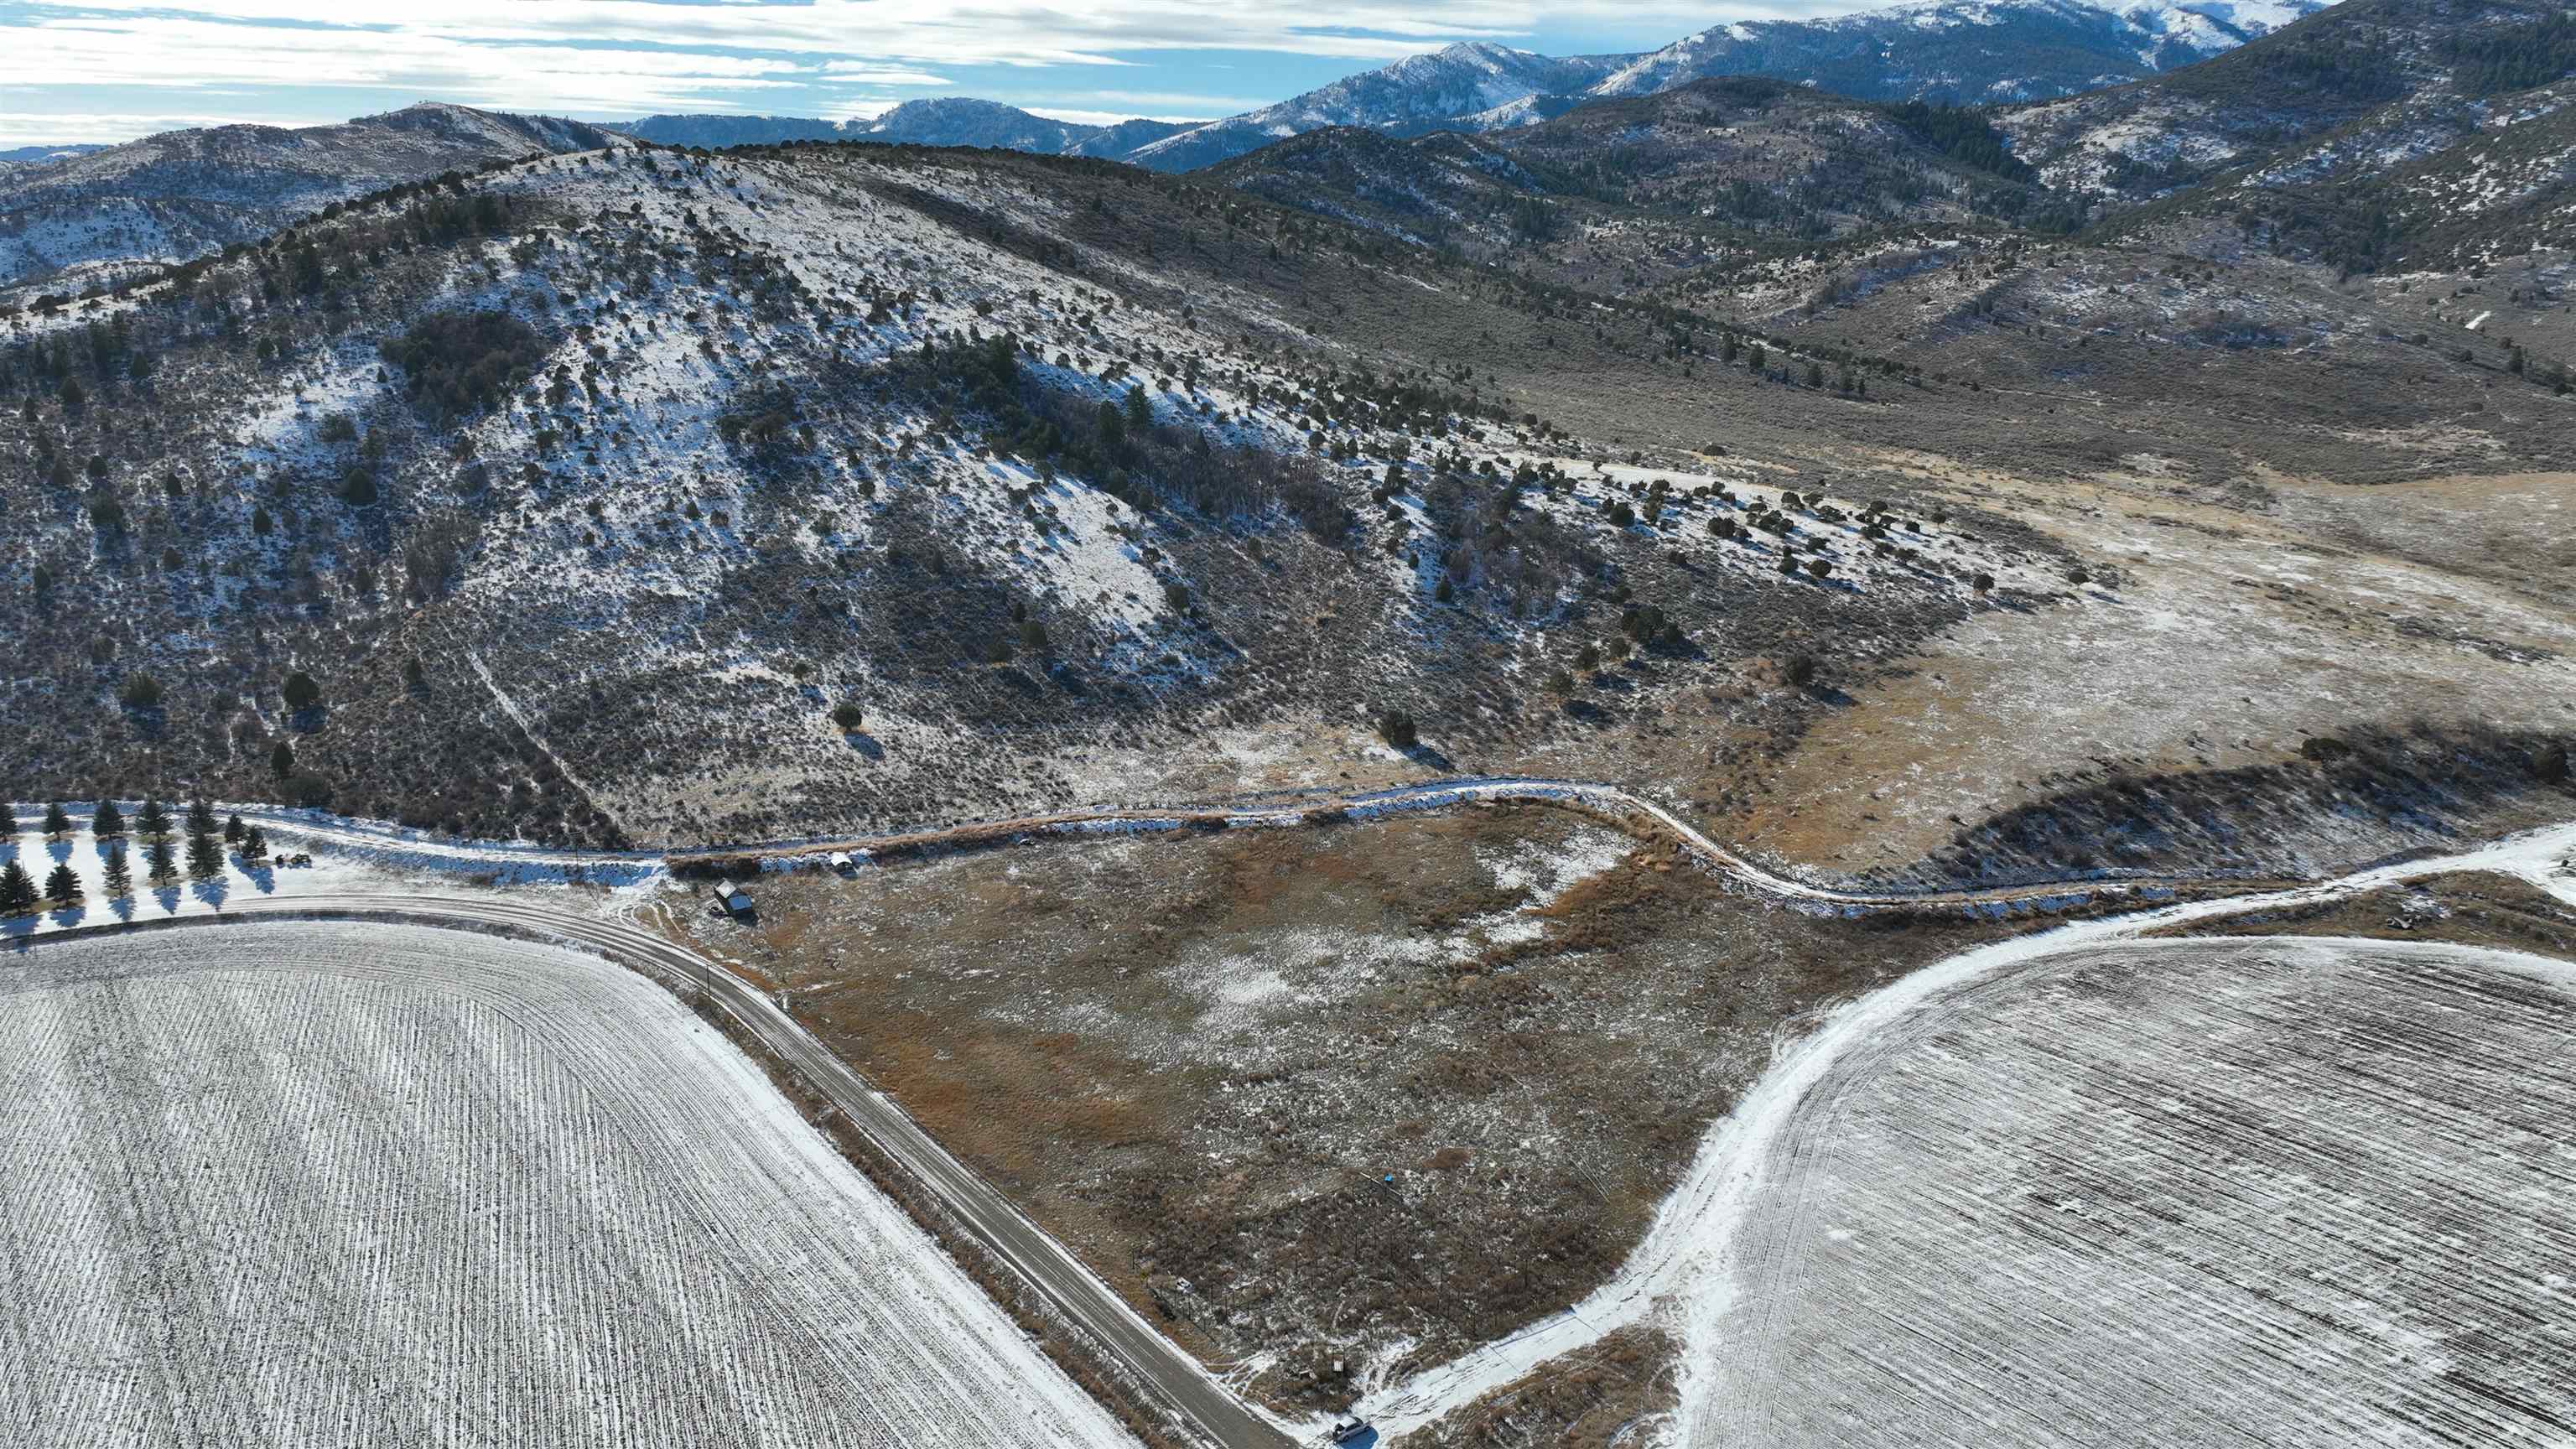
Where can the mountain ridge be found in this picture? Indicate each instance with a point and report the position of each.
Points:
(179, 194)
(1961, 51)
(934, 121)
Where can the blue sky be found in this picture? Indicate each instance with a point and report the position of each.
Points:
(115, 69)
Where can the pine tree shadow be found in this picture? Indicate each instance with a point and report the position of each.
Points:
(1428, 758)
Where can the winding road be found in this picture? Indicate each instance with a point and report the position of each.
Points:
(1639, 813)
(1689, 1238)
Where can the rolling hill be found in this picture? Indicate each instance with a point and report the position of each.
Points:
(586, 490)
(182, 194)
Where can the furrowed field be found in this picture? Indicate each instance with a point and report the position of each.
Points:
(353, 1185)
(2174, 1193)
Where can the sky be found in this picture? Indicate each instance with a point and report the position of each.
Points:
(111, 70)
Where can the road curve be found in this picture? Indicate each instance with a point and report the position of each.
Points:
(1636, 811)
(1187, 1389)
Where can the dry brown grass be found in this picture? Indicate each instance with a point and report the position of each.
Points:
(1604, 1395)
(1195, 1057)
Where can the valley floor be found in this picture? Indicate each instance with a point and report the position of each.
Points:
(1302, 1096)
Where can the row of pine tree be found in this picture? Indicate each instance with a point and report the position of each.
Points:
(154, 829)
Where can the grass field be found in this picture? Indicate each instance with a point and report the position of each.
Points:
(1327, 1105)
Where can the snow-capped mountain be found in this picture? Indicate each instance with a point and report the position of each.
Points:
(1964, 50)
(184, 193)
(1418, 93)
(1959, 50)
(959, 121)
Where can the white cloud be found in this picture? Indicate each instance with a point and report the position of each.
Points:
(1156, 103)
(861, 73)
(985, 32)
(165, 53)
(1111, 118)
(627, 57)
(69, 128)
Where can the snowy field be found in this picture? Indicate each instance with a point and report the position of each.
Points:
(321, 1185)
(2174, 1193)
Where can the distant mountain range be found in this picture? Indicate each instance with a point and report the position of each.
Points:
(946, 122)
(37, 155)
(1471, 86)
(1961, 51)
(184, 193)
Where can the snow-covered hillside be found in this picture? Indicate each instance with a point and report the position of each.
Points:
(1045, 469)
(1964, 50)
(1414, 94)
(1961, 50)
(184, 193)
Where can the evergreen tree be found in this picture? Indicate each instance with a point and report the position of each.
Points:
(17, 890)
(118, 879)
(232, 830)
(281, 761)
(62, 887)
(109, 822)
(160, 864)
(301, 692)
(153, 820)
(201, 817)
(255, 844)
(205, 854)
(1140, 409)
(56, 822)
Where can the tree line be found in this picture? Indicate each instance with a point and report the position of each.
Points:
(158, 837)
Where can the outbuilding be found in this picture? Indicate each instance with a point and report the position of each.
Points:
(732, 900)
